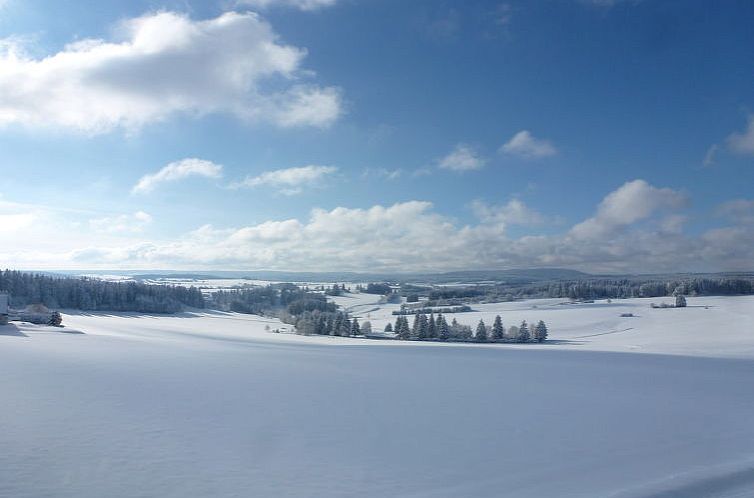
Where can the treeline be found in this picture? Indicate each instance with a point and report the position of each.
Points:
(270, 299)
(428, 328)
(92, 294)
(429, 309)
(627, 288)
(335, 323)
(594, 288)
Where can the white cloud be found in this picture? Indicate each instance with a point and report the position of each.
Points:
(743, 142)
(740, 211)
(289, 181)
(161, 64)
(524, 144)
(388, 174)
(299, 4)
(123, 223)
(632, 202)
(709, 156)
(412, 236)
(514, 212)
(15, 222)
(636, 228)
(462, 158)
(178, 170)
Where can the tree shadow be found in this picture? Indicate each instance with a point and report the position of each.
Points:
(11, 329)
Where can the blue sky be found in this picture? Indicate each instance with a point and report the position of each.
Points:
(377, 134)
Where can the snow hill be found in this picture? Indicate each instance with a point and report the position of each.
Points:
(211, 404)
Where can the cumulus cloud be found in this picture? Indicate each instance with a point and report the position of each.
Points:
(743, 142)
(632, 202)
(123, 223)
(514, 212)
(740, 211)
(524, 144)
(413, 236)
(161, 64)
(462, 158)
(299, 4)
(288, 181)
(178, 170)
(636, 228)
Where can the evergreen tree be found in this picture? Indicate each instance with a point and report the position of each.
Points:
(540, 331)
(416, 327)
(366, 328)
(337, 324)
(431, 327)
(403, 330)
(389, 328)
(345, 329)
(443, 332)
(523, 332)
(423, 327)
(481, 332)
(355, 329)
(498, 331)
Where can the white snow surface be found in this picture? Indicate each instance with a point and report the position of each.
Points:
(211, 404)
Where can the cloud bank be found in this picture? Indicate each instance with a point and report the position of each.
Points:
(159, 65)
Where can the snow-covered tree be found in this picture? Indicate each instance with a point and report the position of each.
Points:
(431, 327)
(366, 328)
(523, 332)
(481, 332)
(355, 328)
(402, 329)
(498, 331)
(345, 329)
(540, 331)
(680, 301)
(389, 328)
(443, 331)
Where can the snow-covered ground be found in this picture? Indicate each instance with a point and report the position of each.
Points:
(211, 404)
(709, 326)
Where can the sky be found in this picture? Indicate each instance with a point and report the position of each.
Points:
(609, 136)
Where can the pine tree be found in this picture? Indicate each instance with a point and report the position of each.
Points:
(416, 326)
(443, 332)
(481, 332)
(431, 327)
(540, 331)
(403, 330)
(389, 328)
(355, 328)
(498, 331)
(523, 332)
(337, 325)
(423, 327)
(345, 329)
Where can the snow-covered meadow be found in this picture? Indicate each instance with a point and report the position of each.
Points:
(212, 404)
